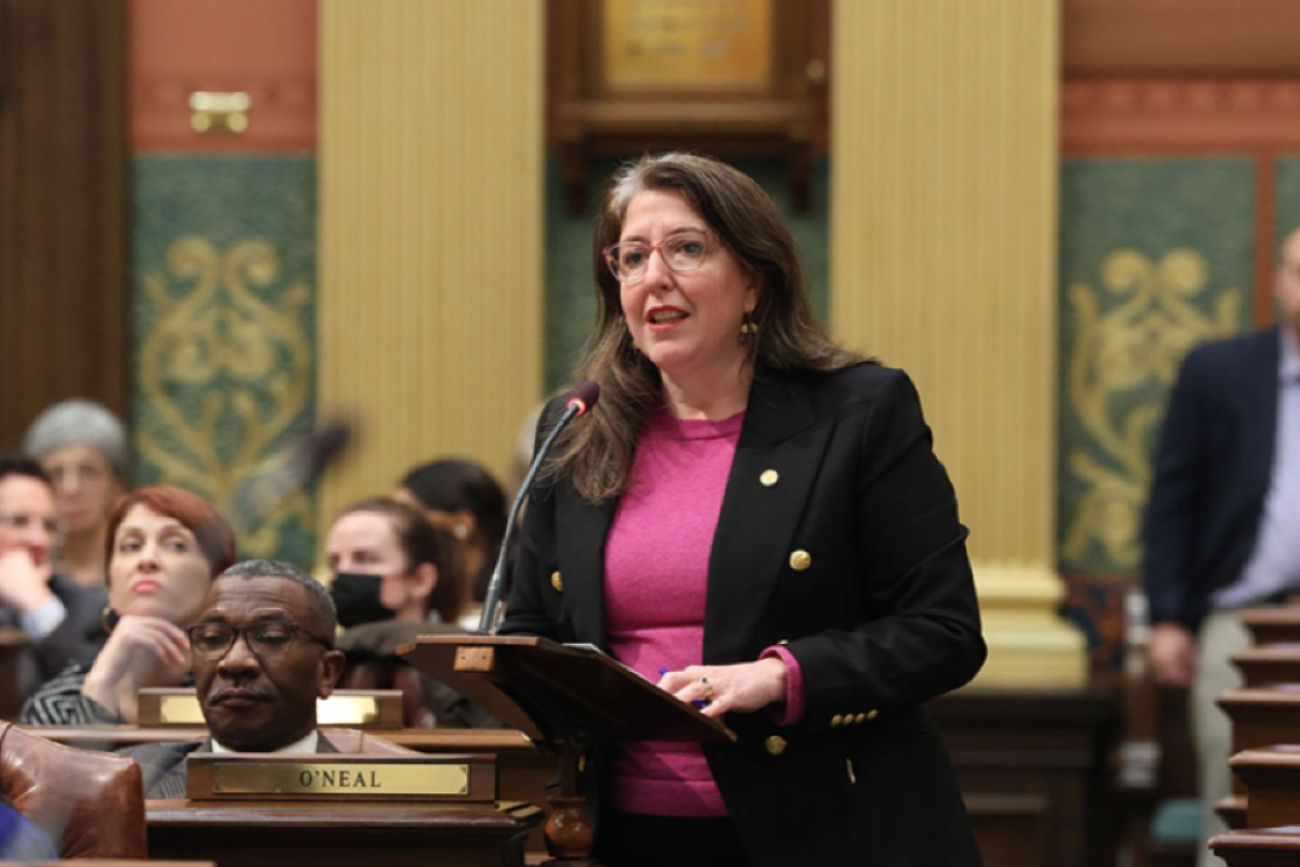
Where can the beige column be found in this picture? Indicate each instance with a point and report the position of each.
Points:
(431, 226)
(943, 262)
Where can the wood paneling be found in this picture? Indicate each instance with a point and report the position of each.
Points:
(264, 49)
(63, 207)
(1179, 116)
(1181, 37)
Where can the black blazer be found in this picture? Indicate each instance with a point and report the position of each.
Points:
(883, 618)
(1210, 474)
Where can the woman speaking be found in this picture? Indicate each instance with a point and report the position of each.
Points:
(752, 517)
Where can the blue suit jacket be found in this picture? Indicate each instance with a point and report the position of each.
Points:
(1210, 474)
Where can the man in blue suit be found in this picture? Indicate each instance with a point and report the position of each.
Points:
(1223, 520)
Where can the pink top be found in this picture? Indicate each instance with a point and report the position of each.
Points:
(656, 578)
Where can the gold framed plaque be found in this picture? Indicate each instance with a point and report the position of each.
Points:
(687, 45)
(733, 78)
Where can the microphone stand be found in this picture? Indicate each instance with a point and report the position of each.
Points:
(489, 620)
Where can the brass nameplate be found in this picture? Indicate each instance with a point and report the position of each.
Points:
(180, 710)
(372, 708)
(332, 779)
(347, 710)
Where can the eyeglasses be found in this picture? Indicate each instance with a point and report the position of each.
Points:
(213, 639)
(682, 253)
(22, 520)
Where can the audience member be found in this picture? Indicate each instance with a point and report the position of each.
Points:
(166, 545)
(83, 449)
(263, 653)
(461, 498)
(390, 588)
(60, 618)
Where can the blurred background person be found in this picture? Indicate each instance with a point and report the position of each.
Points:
(464, 500)
(390, 587)
(83, 449)
(60, 617)
(167, 545)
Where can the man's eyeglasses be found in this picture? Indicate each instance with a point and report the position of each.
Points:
(682, 253)
(212, 639)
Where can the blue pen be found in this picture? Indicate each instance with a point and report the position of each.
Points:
(699, 702)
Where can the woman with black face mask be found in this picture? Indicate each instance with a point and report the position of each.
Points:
(390, 587)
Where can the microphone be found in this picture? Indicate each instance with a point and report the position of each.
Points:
(580, 399)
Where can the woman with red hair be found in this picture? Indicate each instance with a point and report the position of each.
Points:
(165, 545)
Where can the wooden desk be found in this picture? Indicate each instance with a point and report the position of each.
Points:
(1034, 767)
(107, 862)
(13, 645)
(522, 770)
(1265, 847)
(1269, 664)
(1261, 718)
(1272, 625)
(1272, 779)
(341, 834)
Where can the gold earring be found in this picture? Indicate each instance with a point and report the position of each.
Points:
(748, 327)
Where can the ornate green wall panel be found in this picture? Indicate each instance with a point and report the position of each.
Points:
(1156, 256)
(1286, 198)
(225, 330)
(570, 287)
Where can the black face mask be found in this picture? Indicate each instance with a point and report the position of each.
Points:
(357, 598)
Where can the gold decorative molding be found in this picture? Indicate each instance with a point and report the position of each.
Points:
(431, 225)
(225, 370)
(1119, 352)
(1106, 115)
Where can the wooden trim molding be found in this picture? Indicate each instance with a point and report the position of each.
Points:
(282, 113)
(1132, 115)
(267, 51)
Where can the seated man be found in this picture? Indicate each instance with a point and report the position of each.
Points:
(262, 652)
(59, 616)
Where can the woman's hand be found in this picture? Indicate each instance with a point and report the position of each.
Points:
(739, 688)
(142, 651)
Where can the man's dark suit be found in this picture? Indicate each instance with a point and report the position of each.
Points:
(883, 618)
(163, 765)
(1211, 474)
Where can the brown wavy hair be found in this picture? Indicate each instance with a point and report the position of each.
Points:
(215, 536)
(596, 453)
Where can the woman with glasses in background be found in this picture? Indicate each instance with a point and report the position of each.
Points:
(753, 518)
(165, 545)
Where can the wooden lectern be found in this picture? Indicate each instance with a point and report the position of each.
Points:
(568, 699)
